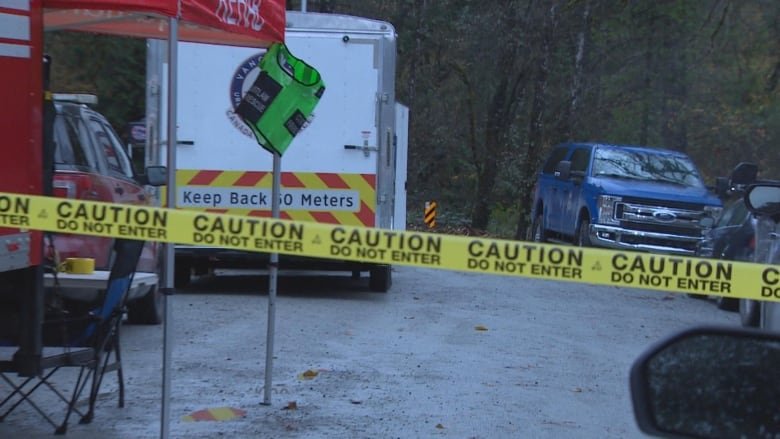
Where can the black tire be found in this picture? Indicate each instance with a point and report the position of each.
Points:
(727, 304)
(749, 313)
(182, 273)
(537, 229)
(380, 278)
(582, 237)
(148, 310)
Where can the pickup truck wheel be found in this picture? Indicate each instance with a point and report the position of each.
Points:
(537, 229)
(148, 310)
(749, 313)
(583, 233)
(380, 279)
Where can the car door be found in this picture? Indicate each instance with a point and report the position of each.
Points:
(571, 194)
(77, 175)
(551, 188)
(120, 177)
(117, 168)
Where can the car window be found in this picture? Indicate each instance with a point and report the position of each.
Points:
(108, 142)
(72, 144)
(580, 159)
(734, 214)
(646, 165)
(557, 155)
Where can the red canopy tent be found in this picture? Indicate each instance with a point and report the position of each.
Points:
(254, 23)
(232, 22)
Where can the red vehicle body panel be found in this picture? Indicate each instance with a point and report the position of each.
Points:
(22, 164)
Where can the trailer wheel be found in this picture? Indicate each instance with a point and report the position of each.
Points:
(727, 303)
(148, 310)
(749, 313)
(380, 279)
(181, 274)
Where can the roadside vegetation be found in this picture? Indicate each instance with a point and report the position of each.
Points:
(492, 87)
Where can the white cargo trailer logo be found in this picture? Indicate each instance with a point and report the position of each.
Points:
(243, 77)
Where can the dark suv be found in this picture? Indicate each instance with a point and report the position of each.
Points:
(622, 197)
(733, 236)
(90, 163)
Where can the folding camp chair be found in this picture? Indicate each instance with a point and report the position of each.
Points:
(84, 336)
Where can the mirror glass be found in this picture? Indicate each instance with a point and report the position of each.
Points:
(764, 199)
(716, 385)
(156, 175)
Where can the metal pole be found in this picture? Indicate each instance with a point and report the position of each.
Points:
(273, 268)
(173, 39)
(303, 5)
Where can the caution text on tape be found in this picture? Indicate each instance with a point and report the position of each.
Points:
(482, 255)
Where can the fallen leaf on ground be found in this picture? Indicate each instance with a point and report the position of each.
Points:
(308, 375)
(292, 405)
(480, 328)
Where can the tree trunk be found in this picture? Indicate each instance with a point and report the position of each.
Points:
(535, 129)
(578, 76)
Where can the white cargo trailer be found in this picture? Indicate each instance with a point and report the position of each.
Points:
(347, 167)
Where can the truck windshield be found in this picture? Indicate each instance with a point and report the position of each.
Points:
(645, 166)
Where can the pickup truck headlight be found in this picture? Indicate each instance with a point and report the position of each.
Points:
(606, 207)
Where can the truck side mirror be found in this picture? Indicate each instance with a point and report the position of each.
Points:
(154, 176)
(562, 170)
(708, 382)
(721, 187)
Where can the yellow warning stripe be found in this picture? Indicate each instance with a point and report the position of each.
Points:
(481, 255)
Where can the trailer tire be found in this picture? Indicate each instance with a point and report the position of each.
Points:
(727, 303)
(749, 313)
(182, 272)
(380, 278)
(148, 310)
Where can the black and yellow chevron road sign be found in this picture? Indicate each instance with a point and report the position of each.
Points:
(430, 214)
(521, 259)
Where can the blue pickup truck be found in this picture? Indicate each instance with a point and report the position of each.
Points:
(622, 197)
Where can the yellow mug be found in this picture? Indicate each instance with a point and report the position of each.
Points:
(78, 265)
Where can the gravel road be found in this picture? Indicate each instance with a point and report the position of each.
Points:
(444, 354)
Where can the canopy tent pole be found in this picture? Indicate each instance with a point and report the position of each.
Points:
(273, 269)
(173, 39)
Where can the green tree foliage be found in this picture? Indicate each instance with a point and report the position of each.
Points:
(696, 76)
(492, 86)
(113, 68)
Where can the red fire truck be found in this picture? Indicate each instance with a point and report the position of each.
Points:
(28, 116)
(22, 170)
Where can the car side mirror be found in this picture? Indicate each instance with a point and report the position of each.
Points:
(562, 170)
(154, 176)
(709, 382)
(763, 199)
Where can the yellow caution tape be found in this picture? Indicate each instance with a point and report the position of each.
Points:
(481, 255)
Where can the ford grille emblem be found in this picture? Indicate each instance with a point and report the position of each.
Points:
(664, 216)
